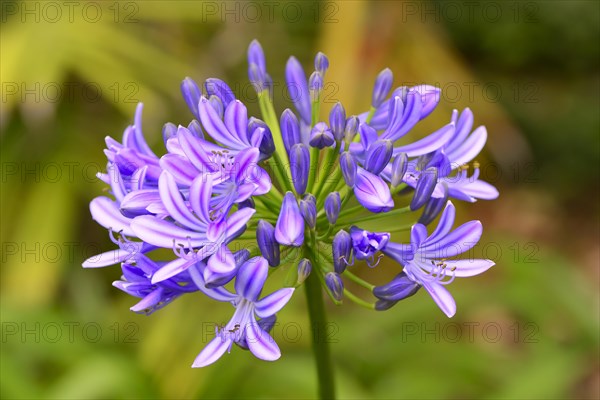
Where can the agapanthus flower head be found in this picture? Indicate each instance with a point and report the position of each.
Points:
(235, 196)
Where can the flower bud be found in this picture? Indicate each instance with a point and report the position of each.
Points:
(348, 168)
(337, 121)
(315, 85)
(216, 87)
(321, 136)
(257, 66)
(378, 156)
(169, 131)
(195, 128)
(399, 167)
(372, 192)
(382, 87)
(335, 285)
(290, 129)
(397, 289)
(321, 63)
(269, 248)
(310, 197)
(430, 97)
(341, 250)
(300, 166)
(308, 209)
(433, 207)
(304, 270)
(241, 257)
(217, 105)
(382, 305)
(289, 229)
(191, 95)
(424, 189)
(333, 204)
(267, 145)
(257, 77)
(298, 88)
(248, 203)
(351, 129)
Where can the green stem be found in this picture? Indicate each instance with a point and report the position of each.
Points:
(318, 322)
(359, 280)
(373, 217)
(280, 157)
(370, 115)
(328, 164)
(357, 300)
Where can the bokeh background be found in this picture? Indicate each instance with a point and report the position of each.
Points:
(72, 73)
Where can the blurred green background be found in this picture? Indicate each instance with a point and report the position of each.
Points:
(72, 73)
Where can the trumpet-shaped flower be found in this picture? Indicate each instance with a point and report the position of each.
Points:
(243, 326)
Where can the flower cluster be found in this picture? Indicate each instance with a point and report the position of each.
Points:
(237, 198)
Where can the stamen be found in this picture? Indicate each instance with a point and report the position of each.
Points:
(111, 234)
(351, 262)
(370, 262)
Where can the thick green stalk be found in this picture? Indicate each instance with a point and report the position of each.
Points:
(318, 322)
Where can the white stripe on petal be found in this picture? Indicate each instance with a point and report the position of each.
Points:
(274, 302)
(465, 268)
(442, 297)
(212, 352)
(261, 344)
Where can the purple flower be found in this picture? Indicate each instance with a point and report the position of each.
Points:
(397, 289)
(195, 228)
(289, 229)
(334, 283)
(290, 129)
(425, 259)
(236, 176)
(199, 198)
(265, 237)
(232, 130)
(257, 66)
(399, 167)
(382, 87)
(308, 209)
(315, 85)
(430, 97)
(341, 250)
(299, 165)
(333, 204)
(348, 168)
(462, 148)
(243, 326)
(366, 244)
(297, 85)
(424, 189)
(191, 94)
(216, 87)
(304, 270)
(378, 156)
(321, 63)
(136, 282)
(372, 192)
(337, 121)
(133, 153)
(321, 136)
